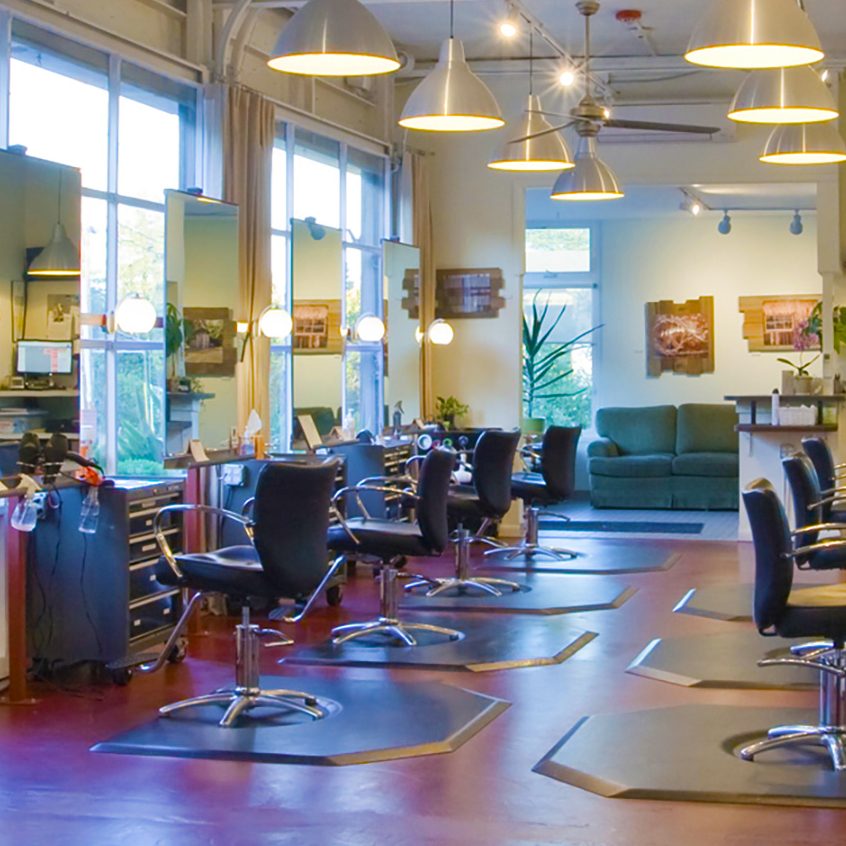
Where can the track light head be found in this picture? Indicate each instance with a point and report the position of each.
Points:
(724, 226)
(796, 225)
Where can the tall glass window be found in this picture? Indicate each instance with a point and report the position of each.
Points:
(132, 134)
(560, 292)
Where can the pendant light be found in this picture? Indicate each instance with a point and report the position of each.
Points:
(451, 98)
(590, 179)
(540, 147)
(135, 315)
(805, 144)
(275, 322)
(783, 95)
(334, 38)
(61, 256)
(751, 34)
(369, 328)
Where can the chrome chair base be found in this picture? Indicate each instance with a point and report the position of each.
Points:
(388, 622)
(246, 694)
(529, 547)
(462, 582)
(830, 661)
(391, 626)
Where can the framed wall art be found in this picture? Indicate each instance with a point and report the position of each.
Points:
(770, 323)
(317, 327)
(209, 342)
(680, 337)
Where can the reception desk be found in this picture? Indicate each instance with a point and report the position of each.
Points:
(763, 445)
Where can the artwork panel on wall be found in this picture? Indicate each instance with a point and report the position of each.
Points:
(680, 337)
(459, 293)
(771, 323)
(317, 327)
(209, 342)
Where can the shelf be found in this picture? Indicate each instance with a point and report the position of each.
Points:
(47, 394)
(760, 427)
(785, 398)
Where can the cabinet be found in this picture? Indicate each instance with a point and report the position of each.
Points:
(365, 460)
(95, 597)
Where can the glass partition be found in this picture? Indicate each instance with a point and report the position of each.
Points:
(401, 263)
(201, 260)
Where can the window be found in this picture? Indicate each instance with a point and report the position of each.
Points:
(136, 140)
(560, 286)
(343, 188)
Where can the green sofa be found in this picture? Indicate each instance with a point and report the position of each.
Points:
(665, 457)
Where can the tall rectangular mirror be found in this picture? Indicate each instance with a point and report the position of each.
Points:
(401, 267)
(316, 339)
(39, 301)
(201, 261)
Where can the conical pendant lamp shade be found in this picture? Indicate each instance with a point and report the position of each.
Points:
(754, 34)
(59, 258)
(334, 38)
(590, 179)
(544, 152)
(805, 144)
(783, 95)
(451, 98)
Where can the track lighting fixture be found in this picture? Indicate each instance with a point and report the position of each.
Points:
(796, 225)
(724, 226)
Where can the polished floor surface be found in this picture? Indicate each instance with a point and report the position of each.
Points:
(54, 791)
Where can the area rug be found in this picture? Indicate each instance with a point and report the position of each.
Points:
(622, 526)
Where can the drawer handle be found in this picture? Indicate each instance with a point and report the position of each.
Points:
(147, 547)
(166, 612)
(136, 623)
(153, 577)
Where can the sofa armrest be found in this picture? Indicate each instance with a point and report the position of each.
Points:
(603, 448)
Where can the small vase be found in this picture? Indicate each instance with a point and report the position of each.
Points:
(802, 384)
(787, 383)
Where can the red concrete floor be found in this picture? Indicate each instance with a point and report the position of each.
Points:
(54, 791)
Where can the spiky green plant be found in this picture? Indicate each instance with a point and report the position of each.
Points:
(539, 376)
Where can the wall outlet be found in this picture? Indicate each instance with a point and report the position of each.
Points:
(233, 475)
(786, 450)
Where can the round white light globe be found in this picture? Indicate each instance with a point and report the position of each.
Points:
(275, 323)
(507, 29)
(440, 332)
(135, 315)
(418, 335)
(567, 78)
(368, 327)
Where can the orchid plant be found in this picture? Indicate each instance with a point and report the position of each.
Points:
(804, 339)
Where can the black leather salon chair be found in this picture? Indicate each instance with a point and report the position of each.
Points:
(391, 541)
(808, 505)
(829, 476)
(286, 556)
(485, 503)
(813, 612)
(553, 485)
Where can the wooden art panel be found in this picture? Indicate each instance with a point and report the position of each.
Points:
(770, 323)
(680, 337)
(468, 293)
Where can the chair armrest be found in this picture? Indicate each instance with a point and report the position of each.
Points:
(832, 491)
(161, 538)
(603, 448)
(829, 500)
(815, 547)
(248, 507)
(820, 527)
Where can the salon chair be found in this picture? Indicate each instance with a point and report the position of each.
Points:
(812, 612)
(286, 557)
(485, 503)
(392, 541)
(829, 476)
(554, 484)
(808, 510)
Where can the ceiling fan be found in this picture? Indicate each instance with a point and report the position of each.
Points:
(590, 116)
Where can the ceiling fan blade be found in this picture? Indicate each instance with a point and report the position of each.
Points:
(662, 127)
(551, 114)
(539, 134)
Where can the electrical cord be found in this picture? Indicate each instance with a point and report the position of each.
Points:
(85, 595)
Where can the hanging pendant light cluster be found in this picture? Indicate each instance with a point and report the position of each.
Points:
(776, 40)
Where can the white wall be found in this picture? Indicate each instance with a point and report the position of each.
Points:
(683, 258)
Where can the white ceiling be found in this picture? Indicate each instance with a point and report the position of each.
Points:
(421, 25)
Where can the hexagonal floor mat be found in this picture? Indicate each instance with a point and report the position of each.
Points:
(722, 602)
(690, 754)
(367, 721)
(539, 594)
(488, 642)
(721, 660)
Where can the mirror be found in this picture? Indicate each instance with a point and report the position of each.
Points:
(201, 265)
(39, 308)
(316, 339)
(401, 264)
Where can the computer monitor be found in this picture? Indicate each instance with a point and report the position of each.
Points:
(44, 357)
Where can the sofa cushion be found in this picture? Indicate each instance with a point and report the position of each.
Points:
(706, 428)
(714, 464)
(632, 466)
(639, 431)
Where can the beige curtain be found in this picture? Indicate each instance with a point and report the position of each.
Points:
(423, 238)
(248, 134)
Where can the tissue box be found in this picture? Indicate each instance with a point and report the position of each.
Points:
(798, 415)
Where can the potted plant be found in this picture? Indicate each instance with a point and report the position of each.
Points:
(541, 377)
(448, 409)
(174, 337)
(802, 380)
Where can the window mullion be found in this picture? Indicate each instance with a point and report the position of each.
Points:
(5, 73)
